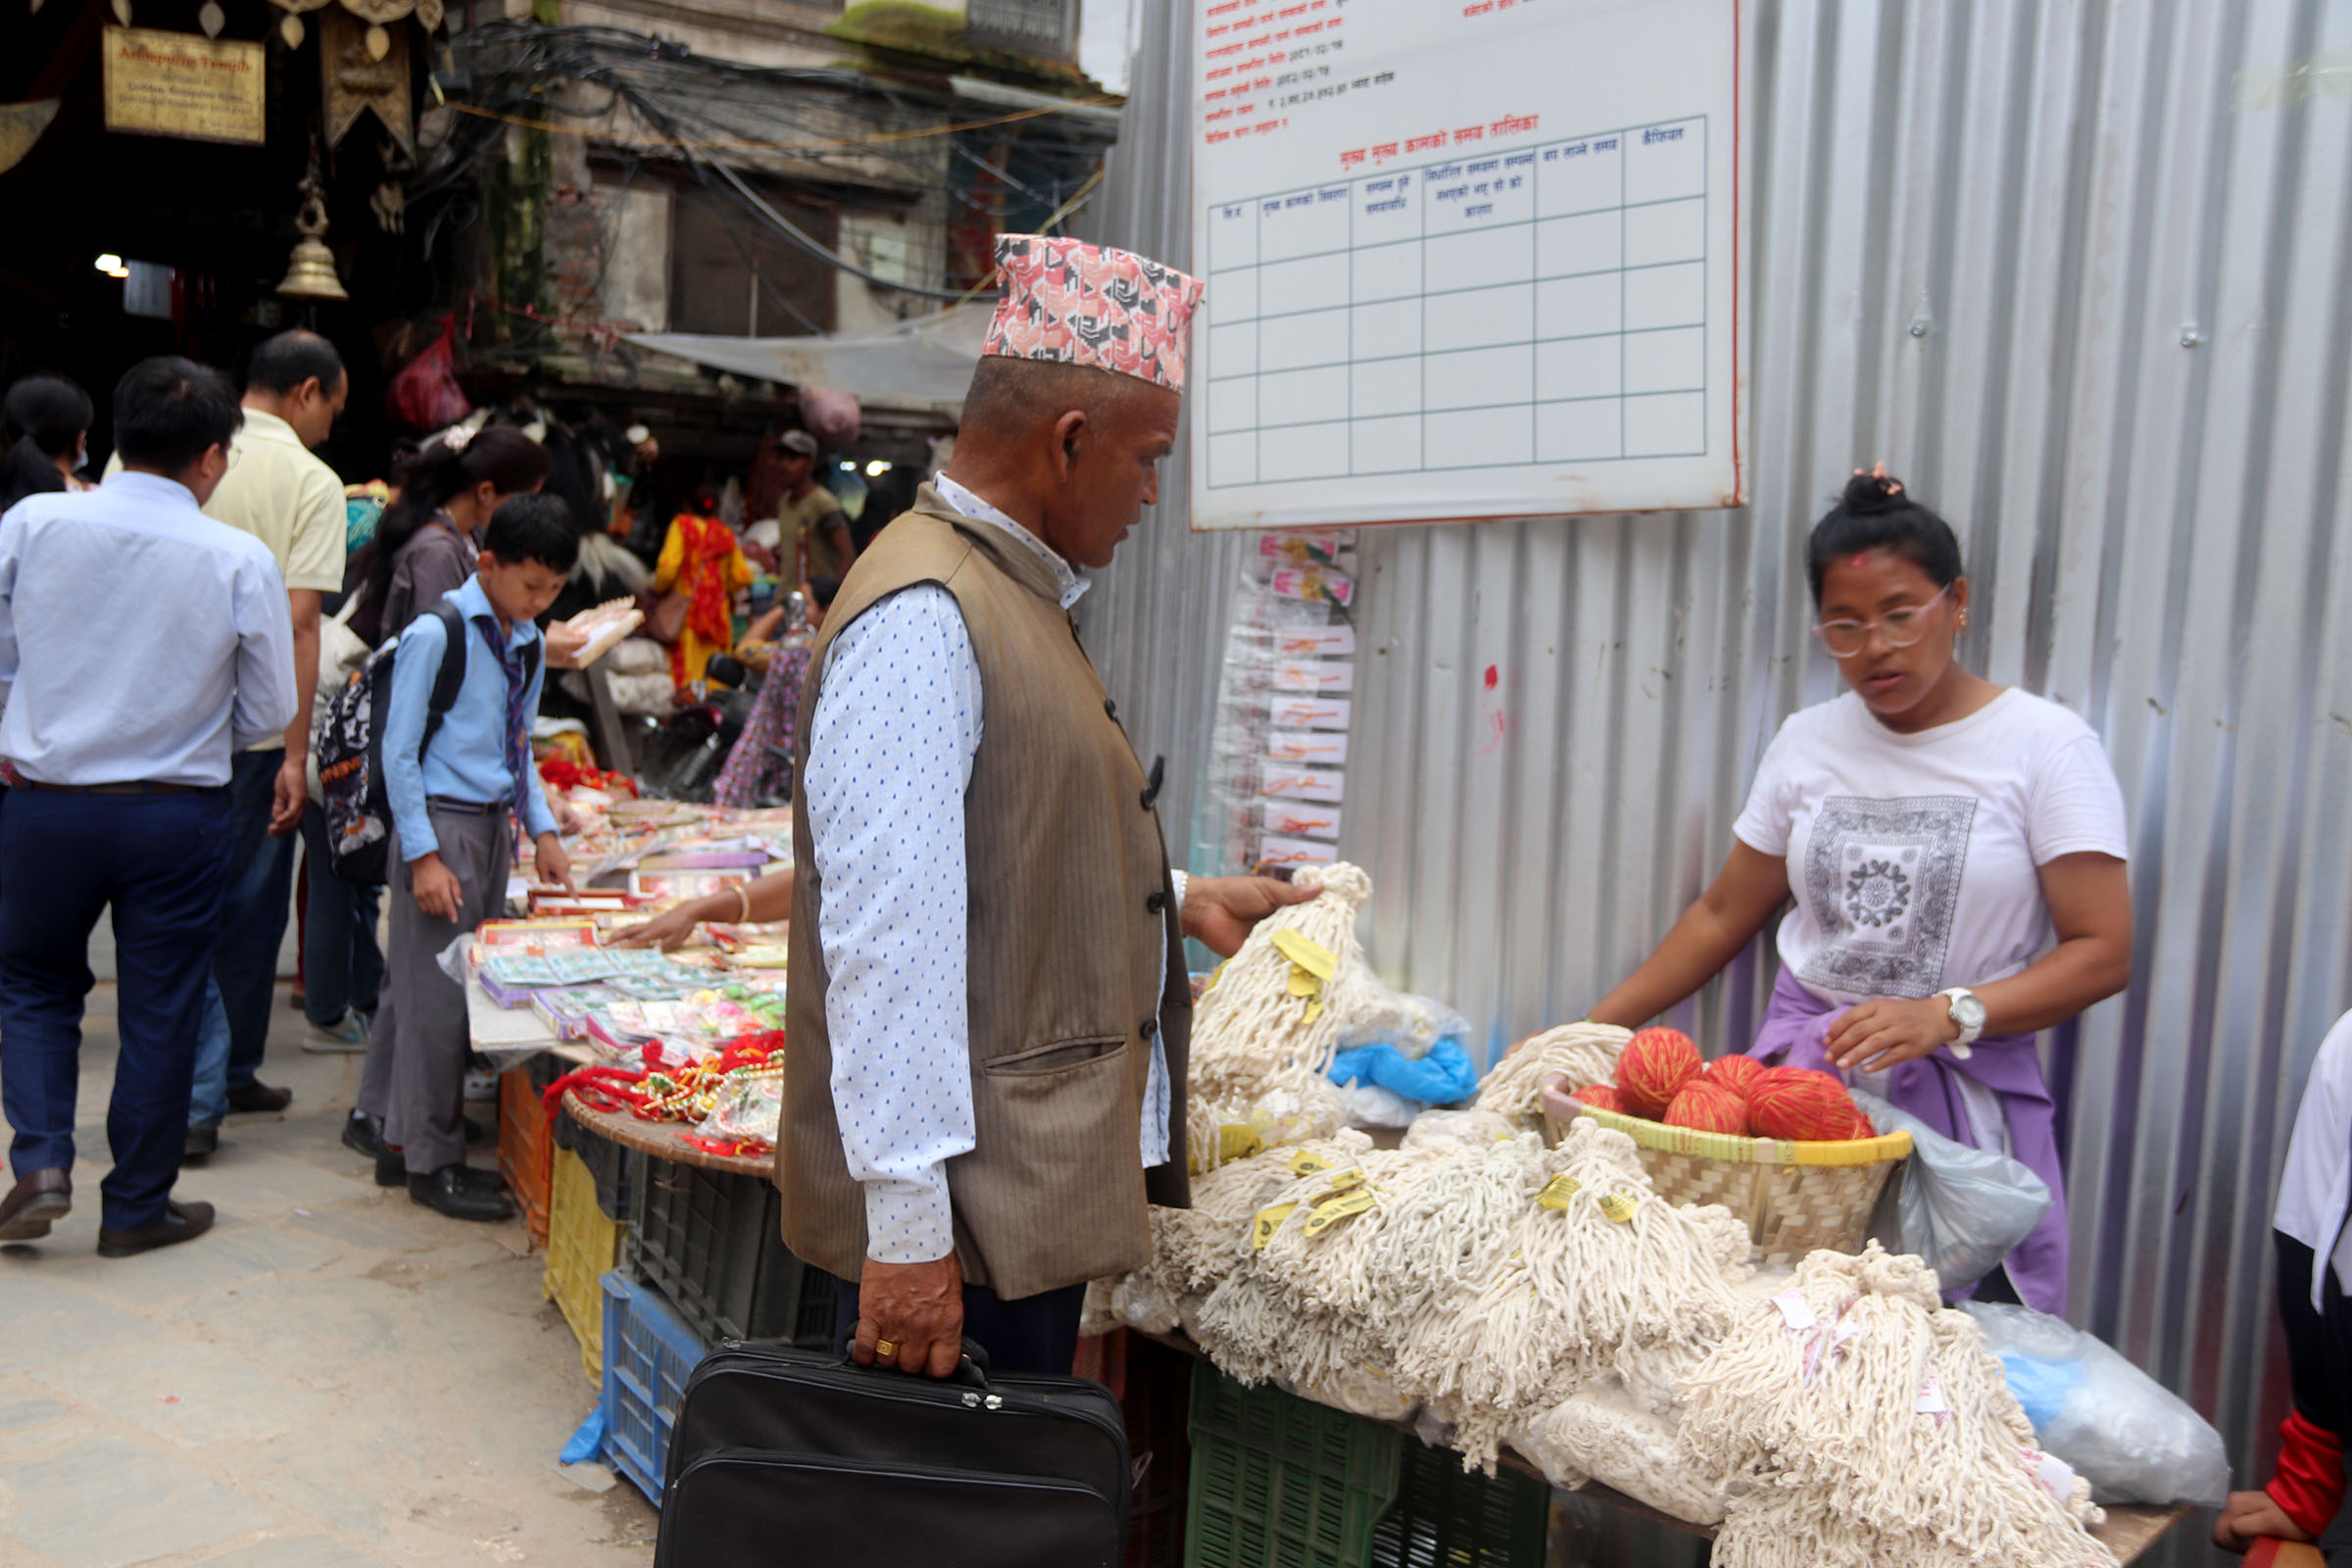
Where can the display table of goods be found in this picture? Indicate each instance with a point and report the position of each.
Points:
(1630, 1291)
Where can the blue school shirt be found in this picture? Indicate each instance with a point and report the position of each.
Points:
(469, 758)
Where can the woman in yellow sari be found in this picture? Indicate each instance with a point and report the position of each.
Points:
(702, 559)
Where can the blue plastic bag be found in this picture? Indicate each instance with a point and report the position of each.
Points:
(1440, 1078)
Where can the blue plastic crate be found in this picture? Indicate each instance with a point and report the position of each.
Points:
(649, 1355)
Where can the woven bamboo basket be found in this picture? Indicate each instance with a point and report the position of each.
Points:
(1795, 1197)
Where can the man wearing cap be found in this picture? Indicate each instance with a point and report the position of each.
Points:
(989, 1008)
(810, 534)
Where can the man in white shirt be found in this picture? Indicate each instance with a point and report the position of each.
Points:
(121, 759)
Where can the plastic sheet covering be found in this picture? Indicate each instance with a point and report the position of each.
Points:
(927, 360)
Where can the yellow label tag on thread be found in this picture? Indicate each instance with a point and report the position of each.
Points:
(1557, 1190)
(1269, 1221)
(1346, 1179)
(1238, 1141)
(1307, 954)
(1618, 1207)
(1338, 1209)
(1303, 1163)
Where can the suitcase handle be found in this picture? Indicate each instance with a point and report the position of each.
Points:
(971, 1368)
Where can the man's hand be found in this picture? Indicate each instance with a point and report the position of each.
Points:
(550, 861)
(1220, 910)
(918, 1308)
(435, 886)
(290, 794)
(1888, 1032)
(2248, 1517)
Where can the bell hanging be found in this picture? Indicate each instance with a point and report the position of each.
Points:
(311, 274)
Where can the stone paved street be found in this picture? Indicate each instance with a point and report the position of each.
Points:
(333, 1377)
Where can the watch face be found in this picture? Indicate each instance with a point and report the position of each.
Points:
(1968, 1013)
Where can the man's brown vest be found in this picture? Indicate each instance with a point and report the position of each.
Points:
(1068, 927)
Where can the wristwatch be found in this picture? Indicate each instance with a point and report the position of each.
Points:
(1968, 1011)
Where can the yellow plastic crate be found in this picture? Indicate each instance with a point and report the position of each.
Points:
(583, 1246)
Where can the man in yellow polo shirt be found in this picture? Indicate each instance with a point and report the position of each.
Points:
(276, 490)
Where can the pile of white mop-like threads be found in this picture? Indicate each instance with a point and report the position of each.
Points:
(1260, 1047)
(1859, 1421)
(1549, 1297)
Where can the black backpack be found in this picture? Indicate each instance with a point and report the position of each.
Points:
(351, 752)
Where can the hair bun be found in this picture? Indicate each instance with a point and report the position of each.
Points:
(1867, 494)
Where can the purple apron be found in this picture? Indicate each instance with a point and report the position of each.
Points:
(1794, 1026)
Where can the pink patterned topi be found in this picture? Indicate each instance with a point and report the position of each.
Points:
(1084, 304)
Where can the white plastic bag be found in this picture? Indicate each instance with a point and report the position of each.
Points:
(2133, 1440)
(1959, 1208)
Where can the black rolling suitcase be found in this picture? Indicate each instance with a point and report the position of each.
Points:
(782, 1456)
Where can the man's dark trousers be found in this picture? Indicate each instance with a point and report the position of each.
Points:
(253, 922)
(162, 862)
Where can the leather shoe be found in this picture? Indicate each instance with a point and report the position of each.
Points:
(259, 1096)
(391, 1168)
(181, 1222)
(33, 1203)
(449, 1192)
(364, 1133)
(475, 1132)
(202, 1143)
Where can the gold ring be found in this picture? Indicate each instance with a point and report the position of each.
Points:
(884, 1349)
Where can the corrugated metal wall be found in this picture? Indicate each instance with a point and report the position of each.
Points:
(2083, 274)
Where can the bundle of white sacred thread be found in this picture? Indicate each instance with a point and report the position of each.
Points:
(1857, 1421)
(1581, 1052)
(1264, 1035)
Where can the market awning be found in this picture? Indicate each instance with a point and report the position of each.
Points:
(927, 360)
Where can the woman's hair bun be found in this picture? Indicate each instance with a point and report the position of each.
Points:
(1870, 494)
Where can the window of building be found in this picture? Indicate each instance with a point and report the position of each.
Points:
(732, 276)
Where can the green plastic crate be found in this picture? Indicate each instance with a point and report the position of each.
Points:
(1446, 1518)
(1279, 1482)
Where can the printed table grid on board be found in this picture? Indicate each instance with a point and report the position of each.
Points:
(1516, 307)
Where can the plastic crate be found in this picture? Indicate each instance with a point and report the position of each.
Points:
(617, 1169)
(649, 1355)
(523, 1142)
(1157, 1396)
(1445, 1518)
(1278, 1480)
(712, 1242)
(582, 1247)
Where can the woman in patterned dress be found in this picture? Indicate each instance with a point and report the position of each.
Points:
(1956, 853)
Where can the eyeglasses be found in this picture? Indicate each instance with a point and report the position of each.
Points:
(1900, 627)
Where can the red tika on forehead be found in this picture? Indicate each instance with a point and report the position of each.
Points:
(1080, 303)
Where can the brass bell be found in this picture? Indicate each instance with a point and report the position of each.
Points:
(311, 274)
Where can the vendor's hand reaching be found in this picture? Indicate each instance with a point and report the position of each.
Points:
(1887, 1031)
(1219, 912)
(435, 886)
(918, 1308)
(668, 931)
(2249, 1516)
(550, 861)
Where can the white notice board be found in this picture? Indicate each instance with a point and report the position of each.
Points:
(1465, 258)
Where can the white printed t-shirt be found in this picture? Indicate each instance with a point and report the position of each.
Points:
(1914, 858)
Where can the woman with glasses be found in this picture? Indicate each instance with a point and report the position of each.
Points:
(1956, 853)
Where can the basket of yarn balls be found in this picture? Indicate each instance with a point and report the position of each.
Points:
(1785, 1148)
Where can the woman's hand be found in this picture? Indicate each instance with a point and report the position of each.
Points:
(1889, 1031)
(2248, 1517)
(668, 930)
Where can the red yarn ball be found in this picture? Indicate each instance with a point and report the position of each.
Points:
(1802, 1104)
(1708, 1108)
(1601, 1097)
(1652, 1069)
(1738, 1075)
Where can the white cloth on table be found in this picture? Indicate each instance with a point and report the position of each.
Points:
(897, 722)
